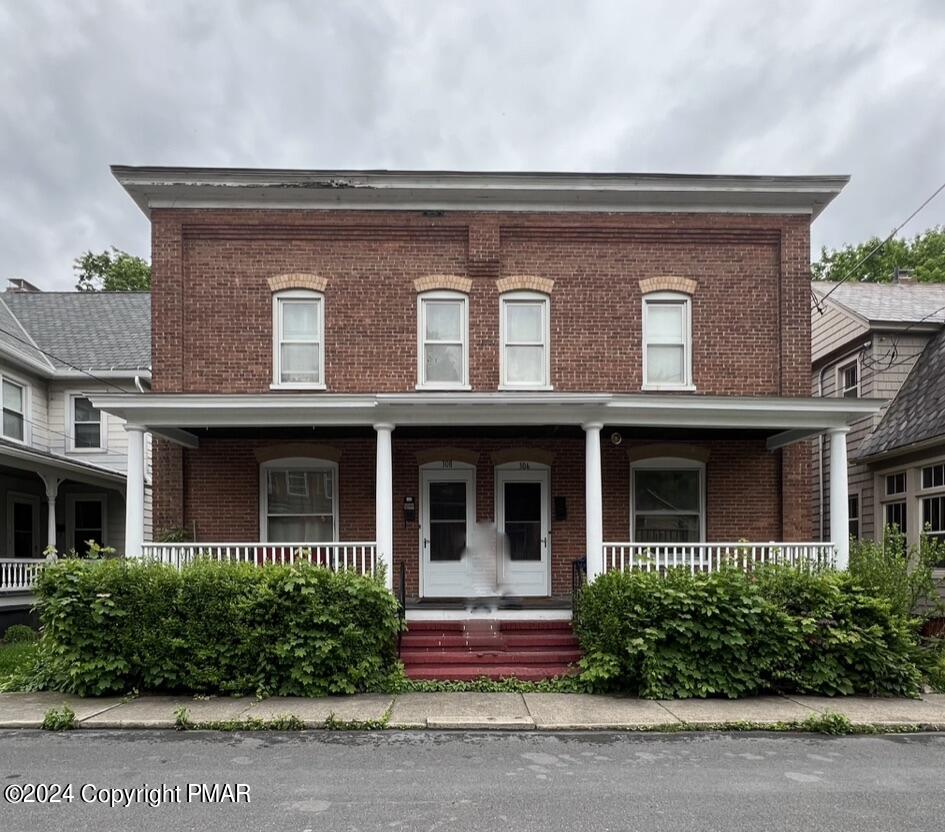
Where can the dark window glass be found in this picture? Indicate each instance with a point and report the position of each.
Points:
(447, 520)
(896, 483)
(896, 516)
(22, 530)
(933, 476)
(933, 516)
(854, 514)
(88, 524)
(849, 381)
(523, 520)
(667, 506)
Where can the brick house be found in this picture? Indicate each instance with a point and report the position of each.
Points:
(478, 379)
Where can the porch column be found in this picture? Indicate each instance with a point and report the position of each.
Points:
(134, 492)
(839, 502)
(384, 502)
(593, 501)
(52, 483)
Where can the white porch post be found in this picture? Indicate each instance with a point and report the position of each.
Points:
(384, 502)
(593, 501)
(839, 502)
(134, 492)
(52, 483)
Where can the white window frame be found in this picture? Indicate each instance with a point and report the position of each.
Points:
(277, 340)
(70, 397)
(91, 497)
(851, 496)
(668, 463)
(27, 404)
(925, 493)
(838, 382)
(295, 464)
(441, 295)
(666, 299)
(512, 298)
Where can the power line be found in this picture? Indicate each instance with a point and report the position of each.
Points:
(846, 276)
(894, 347)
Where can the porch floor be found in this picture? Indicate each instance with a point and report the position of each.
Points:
(499, 603)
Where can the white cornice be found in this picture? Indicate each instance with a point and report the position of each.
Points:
(170, 187)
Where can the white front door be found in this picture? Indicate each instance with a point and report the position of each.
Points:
(447, 515)
(522, 517)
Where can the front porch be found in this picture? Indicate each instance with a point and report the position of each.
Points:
(464, 496)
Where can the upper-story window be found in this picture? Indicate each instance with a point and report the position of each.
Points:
(524, 332)
(442, 341)
(14, 410)
(848, 380)
(298, 318)
(667, 341)
(88, 428)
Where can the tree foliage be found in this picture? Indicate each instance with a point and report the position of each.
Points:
(111, 271)
(923, 255)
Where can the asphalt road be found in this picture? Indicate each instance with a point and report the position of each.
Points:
(527, 781)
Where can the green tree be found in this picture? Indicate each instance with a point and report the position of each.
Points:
(111, 271)
(923, 255)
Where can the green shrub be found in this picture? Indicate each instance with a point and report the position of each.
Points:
(59, 719)
(19, 634)
(112, 626)
(733, 634)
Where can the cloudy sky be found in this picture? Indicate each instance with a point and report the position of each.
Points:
(714, 86)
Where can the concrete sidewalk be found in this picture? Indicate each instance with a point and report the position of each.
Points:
(474, 711)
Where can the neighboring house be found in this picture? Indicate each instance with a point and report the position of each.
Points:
(63, 461)
(886, 341)
(476, 380)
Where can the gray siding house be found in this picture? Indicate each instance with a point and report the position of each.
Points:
(62, 461)
(884, 341)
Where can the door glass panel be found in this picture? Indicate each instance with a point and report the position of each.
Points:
(22, 530)
(88, 524)
(523, 520)
(447, 520)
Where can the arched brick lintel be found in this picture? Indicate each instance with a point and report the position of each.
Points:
(297, 280)
(669, 283)
(304, 450)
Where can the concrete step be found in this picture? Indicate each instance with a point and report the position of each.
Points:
(412, 658)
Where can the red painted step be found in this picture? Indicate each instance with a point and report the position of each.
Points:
(477, 648)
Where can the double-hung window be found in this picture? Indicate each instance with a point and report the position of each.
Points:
(853, 515)
(894, 505)
(933, 501)
(668, 502)
(14, 410)
(524, 332)
(848, 380)
(87, 429)
(667, 341)
(298, 501)
(443, 341)
(298, 325)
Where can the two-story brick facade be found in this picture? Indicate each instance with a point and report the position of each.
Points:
(479, 379)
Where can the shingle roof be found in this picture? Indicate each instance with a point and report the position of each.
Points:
(894, 302)
(15, 338)
(90, 330)
(917, 413)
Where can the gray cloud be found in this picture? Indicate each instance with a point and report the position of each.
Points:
(733, 87)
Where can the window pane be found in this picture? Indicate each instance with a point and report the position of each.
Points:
(525, 365)
(12, 425)
(301, 529)
(300, 363)
(933, 513)
(444, 363)
(13, 396)
(662, 528)
(84, 412)
(300, 492)
(896, 483)
(88, 514)
(664, 323)
(523, 520)
(300, 320)
(666, 490)
(448, 501)
(895, 515)
(88, 435)
(447, 541)
(523, 322)
(444, 320)
(664, 365)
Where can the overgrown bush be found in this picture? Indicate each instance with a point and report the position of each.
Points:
(735, 634)
(19, 634)
(113, 626)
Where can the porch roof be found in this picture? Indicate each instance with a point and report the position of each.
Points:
(26, 458)
(789, 420)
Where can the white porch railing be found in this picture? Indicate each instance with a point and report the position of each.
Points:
(19, 574)
(710, 557)
(360, 557)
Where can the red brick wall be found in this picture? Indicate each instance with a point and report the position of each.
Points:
(211, 332)
(221, 479)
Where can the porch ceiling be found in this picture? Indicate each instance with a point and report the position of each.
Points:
(30, 460)
(788, 419)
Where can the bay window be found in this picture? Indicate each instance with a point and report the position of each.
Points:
(524, 334)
